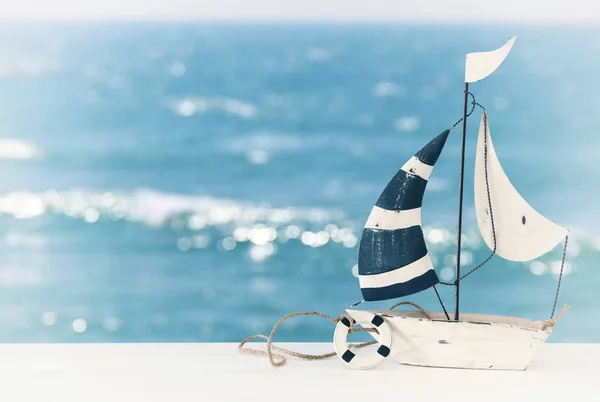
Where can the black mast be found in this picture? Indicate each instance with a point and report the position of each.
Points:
(460, 203)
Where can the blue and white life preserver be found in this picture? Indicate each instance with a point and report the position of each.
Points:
(363, 362)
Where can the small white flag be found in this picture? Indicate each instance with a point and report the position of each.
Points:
(481, 64)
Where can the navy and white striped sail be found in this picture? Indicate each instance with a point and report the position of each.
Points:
(393, 260)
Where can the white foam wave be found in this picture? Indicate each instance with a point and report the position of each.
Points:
(388, 89)
(264, 142)
(19, 276)
(259, 146)
(11, 148)
(317, 55)
(177, 69)
(155, 209)
(437, 184)
(192, 106)
(12, 65)
(407, 124)
(16, 239)
(264, 229)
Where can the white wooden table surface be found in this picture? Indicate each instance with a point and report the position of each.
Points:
(218, 372)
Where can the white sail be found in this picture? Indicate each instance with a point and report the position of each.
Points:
(481, 64)
(522, 234)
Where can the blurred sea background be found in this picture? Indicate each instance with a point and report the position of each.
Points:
(180, 182)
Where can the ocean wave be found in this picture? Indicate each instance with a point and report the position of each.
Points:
(386, 89)
(11, 276)
(224, 223)
(154, 208)
(437, 184)
(407, 124)
(264, 142)
(258, 147)
(11, 148)
(192, 106)
(12, 65)
(318, 55)
(177, 69)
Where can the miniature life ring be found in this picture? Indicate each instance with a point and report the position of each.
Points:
(363, 362)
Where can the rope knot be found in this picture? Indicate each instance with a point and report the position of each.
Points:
(548, 323)
(552, 321)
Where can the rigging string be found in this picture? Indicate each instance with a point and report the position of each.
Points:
(552, 321)
(441, 303)
(560, 276)
(279, 359)
(487, 188)
(473, 103)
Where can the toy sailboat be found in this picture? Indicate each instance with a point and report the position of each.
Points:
(393, 260)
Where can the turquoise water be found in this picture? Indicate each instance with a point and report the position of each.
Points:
(196, 182)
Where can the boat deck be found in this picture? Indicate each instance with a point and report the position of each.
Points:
(466, 317)
(218, 372)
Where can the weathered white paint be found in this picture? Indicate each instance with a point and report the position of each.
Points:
(418, 168)
(399, 275)
(478, 341)
(522, 233)
(380, 218)
(481, 64)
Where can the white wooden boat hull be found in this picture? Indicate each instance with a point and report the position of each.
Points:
(478, 341)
